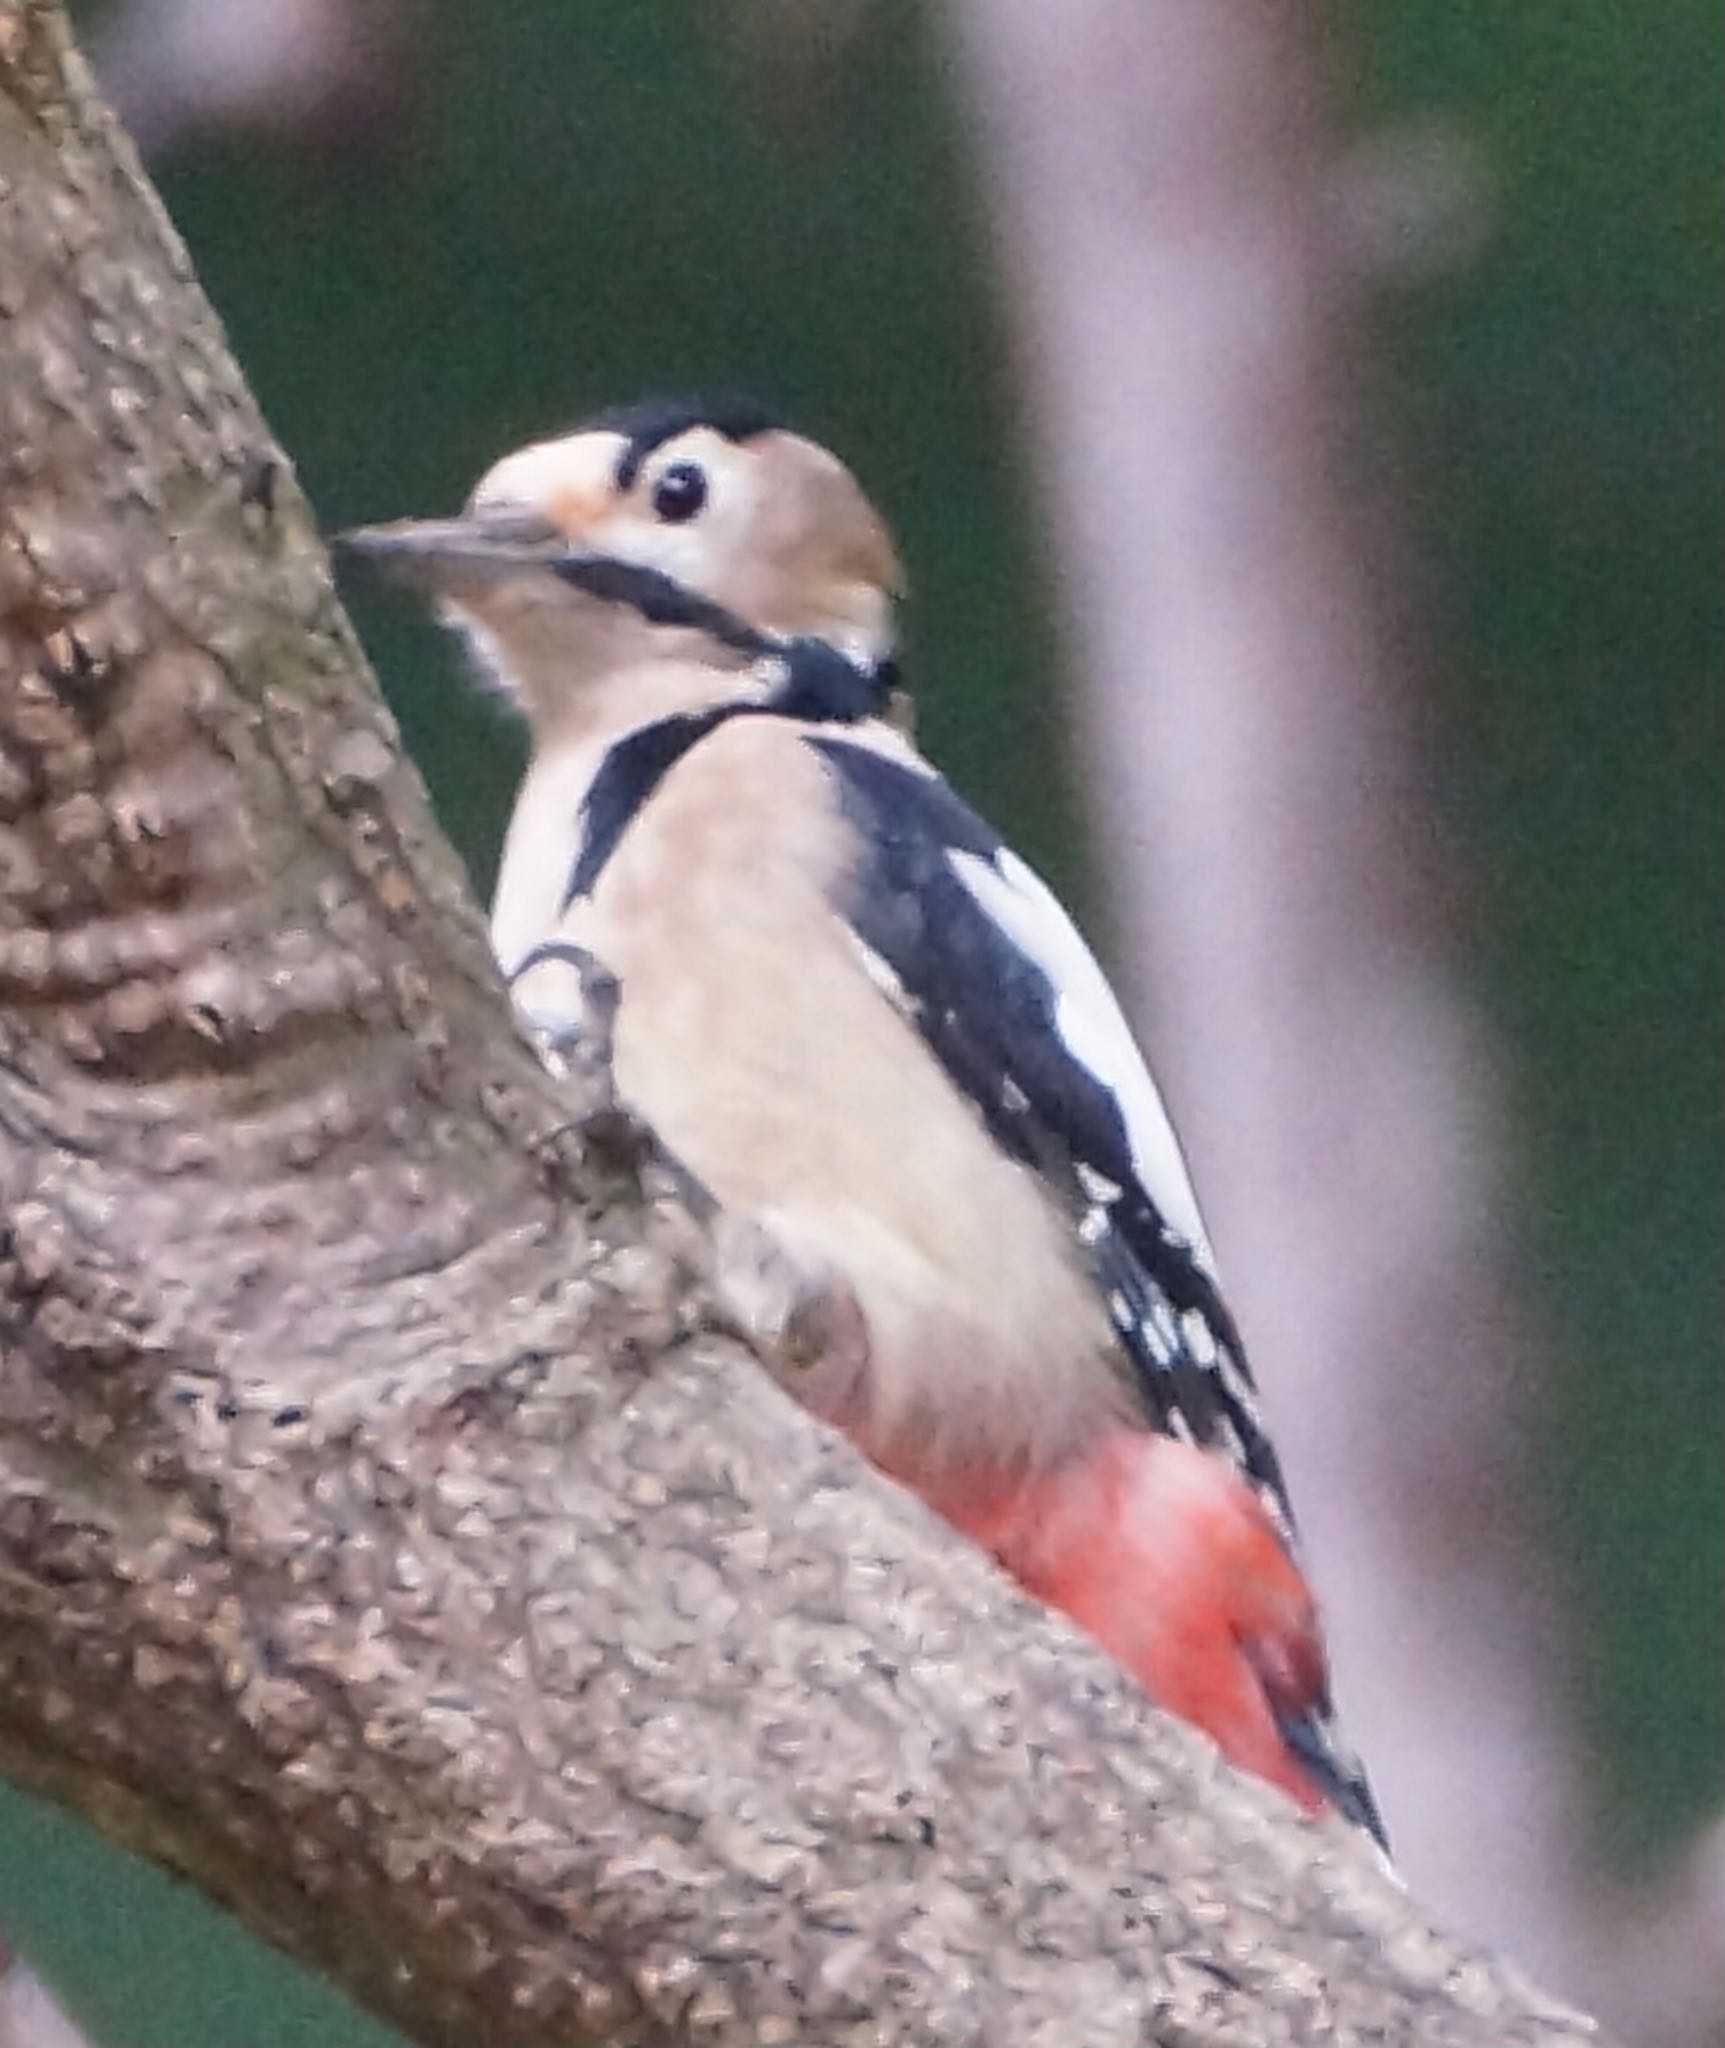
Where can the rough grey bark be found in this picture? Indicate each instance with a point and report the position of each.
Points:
(385, 1541)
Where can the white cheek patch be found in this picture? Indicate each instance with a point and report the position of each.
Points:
(1091, 1026)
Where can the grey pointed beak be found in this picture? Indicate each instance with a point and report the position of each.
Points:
(481, 547)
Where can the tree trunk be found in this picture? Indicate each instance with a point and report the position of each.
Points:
(386, 1540)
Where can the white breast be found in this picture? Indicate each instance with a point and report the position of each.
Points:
(539, 852)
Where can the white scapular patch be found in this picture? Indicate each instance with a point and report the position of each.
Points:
(1091, 1026)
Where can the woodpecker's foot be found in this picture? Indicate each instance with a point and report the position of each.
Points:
(566, 999)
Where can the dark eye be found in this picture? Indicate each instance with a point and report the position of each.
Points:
(680, 492)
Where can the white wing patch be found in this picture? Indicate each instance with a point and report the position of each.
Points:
(1091, 1027)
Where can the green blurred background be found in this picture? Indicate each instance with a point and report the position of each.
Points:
(576, 203)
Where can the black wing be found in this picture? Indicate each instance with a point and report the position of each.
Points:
(986, 1000)
(977, 950)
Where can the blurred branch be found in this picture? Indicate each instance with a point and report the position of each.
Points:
(1184, 243)
(376, 1547)
(1661, 1953)
(30, 2015)
(326, 74)
(1408, 203)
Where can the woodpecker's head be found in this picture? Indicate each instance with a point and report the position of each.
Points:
(704, 537)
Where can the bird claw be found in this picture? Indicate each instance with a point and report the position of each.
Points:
(571, 1017)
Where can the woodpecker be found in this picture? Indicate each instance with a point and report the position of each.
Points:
(871, 1032)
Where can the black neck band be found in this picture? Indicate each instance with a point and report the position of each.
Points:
(820, 687)
(818, 684)
(661, 600)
